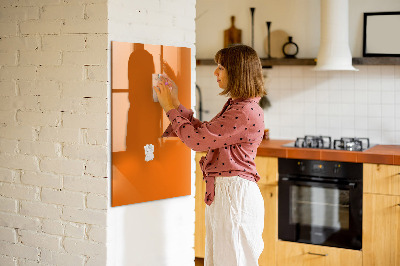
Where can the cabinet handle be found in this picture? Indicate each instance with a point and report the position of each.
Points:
(318, 254)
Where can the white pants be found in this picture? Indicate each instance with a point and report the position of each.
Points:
(234, 223)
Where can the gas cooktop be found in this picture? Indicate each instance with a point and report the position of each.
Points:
(325, 142)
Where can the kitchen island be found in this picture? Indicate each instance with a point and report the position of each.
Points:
(381, 207)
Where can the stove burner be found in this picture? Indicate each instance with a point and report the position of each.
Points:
(308, 141)
(324, 142)
(351, 144)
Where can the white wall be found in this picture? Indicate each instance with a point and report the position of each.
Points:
(53, 108)
(337, 104)
(158, 232)
(299, 18)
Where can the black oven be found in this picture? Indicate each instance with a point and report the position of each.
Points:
(320, 202)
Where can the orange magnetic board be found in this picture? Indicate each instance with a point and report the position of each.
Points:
(137, 121)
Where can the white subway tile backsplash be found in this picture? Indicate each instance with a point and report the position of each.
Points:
(310, 95)
(322, 109)
(284, 72)
(374, 83)
(348, 133)
(374, 123)
(322, 95)
(348, 96)
(388, 124)
(365, 103)
(361, 110)
(335, 122)
(334, 81)
(322, 121)
(297, 72)
(284, 83)
(310, 108)
(387, 72)
(360, 81)
(375, 136)
(374, 111)
(335, 95)
(397, 110)
(347, 122)
(308, 72)
(297, 83)
(322, 83)
(334, 109)
(388, 84)
(389, 136)
(388, 97)
(361, 123)
(286, 120)
(360, 97)
(397, 84)
(388, 110)
(374, 97)
(397, 72)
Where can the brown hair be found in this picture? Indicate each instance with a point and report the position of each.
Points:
(245, 78)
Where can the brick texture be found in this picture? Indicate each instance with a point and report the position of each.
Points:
(53, 121)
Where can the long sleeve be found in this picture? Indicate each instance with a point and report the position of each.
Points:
(187, 113)
(222, 131)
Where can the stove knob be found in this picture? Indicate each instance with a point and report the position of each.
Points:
(336, 169)
(302, 167)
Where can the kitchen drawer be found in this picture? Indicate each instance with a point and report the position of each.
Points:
(267, 168)
(298, 254)
(381, 179)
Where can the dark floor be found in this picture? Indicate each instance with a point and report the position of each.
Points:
(199, 262)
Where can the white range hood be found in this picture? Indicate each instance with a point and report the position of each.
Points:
(334, 51)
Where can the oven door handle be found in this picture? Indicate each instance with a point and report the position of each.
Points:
(297, 181)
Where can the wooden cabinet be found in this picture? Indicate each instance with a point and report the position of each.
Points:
(298, 254)
(381, 221)
(270, 233)
(381, 230)
(268, 169)
(381, 179)
(381, 215)
(200, 207)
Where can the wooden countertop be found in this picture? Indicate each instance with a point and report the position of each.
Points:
(379, 154)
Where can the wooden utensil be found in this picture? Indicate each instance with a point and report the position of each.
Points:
(232, 35)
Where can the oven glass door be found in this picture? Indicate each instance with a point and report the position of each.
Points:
(320, 212)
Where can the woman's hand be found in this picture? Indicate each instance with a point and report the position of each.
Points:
(164, 96)
(174, 90)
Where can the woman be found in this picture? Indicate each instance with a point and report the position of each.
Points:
(235, 207)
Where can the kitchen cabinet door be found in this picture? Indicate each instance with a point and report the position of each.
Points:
(200, 208)
(270, 233)
(267, 168)
(381, 230)
(298, 254)
(381, 179)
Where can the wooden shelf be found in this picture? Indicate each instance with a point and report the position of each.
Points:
(312, 61)
(376, 61)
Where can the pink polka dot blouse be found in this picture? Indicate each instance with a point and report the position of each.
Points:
(231, 139)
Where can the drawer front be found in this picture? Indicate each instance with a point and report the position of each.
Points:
(294, 254)
(381, 179)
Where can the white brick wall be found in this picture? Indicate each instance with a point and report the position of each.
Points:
(53, 111)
